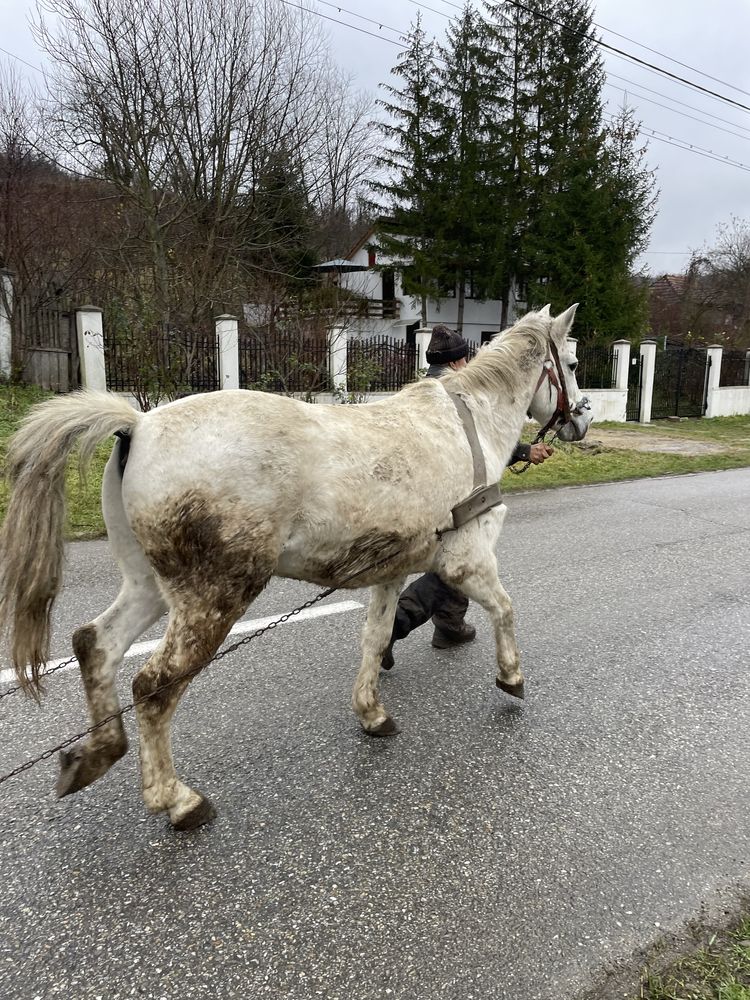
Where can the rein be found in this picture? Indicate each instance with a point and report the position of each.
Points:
(557, 380)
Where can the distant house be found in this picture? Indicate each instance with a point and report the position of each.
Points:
(365, 272)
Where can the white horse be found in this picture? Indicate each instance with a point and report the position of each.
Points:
(207, 498)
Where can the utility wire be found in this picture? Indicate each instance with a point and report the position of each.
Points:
(619, 52)
(656, 52)
(690, 107)
(691, 147)
(674, 111)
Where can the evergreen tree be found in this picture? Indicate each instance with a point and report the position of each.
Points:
(511, 32)
(406, 194)
(569, 203)
(463, 166)
(631, 207)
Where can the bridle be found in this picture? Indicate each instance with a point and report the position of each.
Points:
(552, 371)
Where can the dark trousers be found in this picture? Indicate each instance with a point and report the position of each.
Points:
(429, 597)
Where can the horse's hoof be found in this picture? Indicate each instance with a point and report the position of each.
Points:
(516, 690)
(77, 770)
(202, 813)
(386, 728)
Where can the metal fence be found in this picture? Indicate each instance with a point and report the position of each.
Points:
(735, 368)
(162, 363)
(283, 362)
(597, 367)
(379, 364)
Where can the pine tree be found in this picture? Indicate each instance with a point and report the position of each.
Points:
(631, 207)
(464, 168)
(406, 194)
(568, 197)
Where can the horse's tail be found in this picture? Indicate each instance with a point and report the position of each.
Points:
(31, 539)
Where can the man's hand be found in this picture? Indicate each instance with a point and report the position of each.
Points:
(540, 453)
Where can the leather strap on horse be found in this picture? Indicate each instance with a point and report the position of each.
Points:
(482, 496)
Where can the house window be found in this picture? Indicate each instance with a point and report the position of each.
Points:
(371, 258)
(486, 336)
(472, 288)
(411, 332)
(447, 288)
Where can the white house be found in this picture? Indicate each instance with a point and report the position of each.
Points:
(392, 313)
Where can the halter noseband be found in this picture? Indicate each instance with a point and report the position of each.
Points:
(555, 374)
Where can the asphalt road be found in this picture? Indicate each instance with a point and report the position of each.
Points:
(491, 850)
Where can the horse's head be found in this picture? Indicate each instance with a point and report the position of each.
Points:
(557, 403)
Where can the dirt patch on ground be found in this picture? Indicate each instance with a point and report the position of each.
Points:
(638, 441)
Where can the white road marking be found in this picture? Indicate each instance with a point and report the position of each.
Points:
(241, 628)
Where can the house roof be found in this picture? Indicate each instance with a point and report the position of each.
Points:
(338, 264)
(362, 241)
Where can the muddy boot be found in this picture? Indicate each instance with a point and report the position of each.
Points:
(444, 638)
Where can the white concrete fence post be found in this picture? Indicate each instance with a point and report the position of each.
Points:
(227, 334)
(337, 358)
(422, 338)
(713, 377)
(573, 346)
(6, 339)
(648, 361)
(90, 334)
(621, 350)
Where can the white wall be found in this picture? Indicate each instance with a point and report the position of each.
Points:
(728, 401)
(607, 404)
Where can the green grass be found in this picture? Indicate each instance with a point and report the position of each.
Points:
(579, 463)
(84, 505)
(571, 465)
(719, 971)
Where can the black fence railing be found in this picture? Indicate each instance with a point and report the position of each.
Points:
(285, 363)
(597, 367)
(379, 364)
(735, 368)
(162, 363)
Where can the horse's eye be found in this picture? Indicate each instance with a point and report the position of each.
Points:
(573, 365)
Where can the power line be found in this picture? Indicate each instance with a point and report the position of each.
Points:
(690, 147)
(674, 100)
(19, 59)
(656, 52)
(619, 52)
(364, 31)
(361, 17)
(676, 112)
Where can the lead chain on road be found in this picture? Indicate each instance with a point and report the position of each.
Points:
(181, 677)
(46, 673)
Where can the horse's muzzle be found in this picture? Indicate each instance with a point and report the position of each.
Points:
(580, 418)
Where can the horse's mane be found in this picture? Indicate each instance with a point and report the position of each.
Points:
(507, 360)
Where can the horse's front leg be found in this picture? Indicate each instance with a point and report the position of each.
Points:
(376, 636)
(476, 576)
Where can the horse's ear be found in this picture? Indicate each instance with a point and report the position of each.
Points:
(562, 323)
(544, 311)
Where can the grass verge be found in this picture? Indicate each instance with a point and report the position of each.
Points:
(572, 464)
(718, 971)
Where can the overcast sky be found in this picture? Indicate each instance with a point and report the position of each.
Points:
(697, 193)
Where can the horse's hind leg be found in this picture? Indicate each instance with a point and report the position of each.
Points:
(101, 645)
(376, 635)
(193, 635)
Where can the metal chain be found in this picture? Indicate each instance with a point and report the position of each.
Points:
(181, 677)
(46, 673)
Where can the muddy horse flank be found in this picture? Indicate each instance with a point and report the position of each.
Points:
(208, 497)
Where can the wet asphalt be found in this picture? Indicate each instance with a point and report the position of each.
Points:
(492, 850)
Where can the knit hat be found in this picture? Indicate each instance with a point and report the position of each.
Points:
(445, 346)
